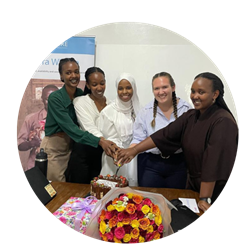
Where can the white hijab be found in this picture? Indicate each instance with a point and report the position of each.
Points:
(133, 104)
(126, 129)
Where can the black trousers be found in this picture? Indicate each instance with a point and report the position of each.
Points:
(154, 171)
(85, 163)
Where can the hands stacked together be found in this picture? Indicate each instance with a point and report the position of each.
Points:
(121, 156)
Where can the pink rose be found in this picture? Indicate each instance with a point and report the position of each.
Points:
(160, 228)
(147, 201)
(108, 215)
(110, 236)
(120, 216)
(119, 233)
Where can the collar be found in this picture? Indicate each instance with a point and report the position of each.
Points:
(65, 97)
(207, 113)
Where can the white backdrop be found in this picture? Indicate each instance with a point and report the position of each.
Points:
(144, 50)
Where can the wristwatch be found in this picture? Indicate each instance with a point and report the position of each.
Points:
(208, 200)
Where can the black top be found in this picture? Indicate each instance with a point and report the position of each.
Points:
(209, 142)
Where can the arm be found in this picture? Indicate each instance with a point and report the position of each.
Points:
(206, 191)
(126, 155)
(61, 117)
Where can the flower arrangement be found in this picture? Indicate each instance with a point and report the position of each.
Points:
(130, 218)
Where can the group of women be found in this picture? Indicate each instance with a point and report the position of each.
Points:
(177, 146)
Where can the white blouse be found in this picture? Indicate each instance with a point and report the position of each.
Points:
(87, 114)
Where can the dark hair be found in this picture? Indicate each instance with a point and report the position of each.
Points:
(88, 72)
(65, 60)
(217, 85)
(49, 86)
(172, 83)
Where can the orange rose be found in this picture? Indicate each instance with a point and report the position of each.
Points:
(113, 221)
(137, 199)
(126, 221)
(102, 216)
(144, 223)
(130, 208)
(157, 236)
(115, 201)
(155, 210)
(135, 233)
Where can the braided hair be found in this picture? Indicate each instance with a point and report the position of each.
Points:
(174, 99)
(63, 61)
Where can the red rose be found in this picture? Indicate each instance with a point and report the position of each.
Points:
(119, 233)
(147, 201)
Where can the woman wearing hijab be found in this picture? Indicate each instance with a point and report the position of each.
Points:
(116, 124)
(208, 136)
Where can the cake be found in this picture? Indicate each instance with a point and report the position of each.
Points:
(100, 185)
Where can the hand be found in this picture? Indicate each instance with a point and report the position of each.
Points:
(126, 155)
(203, 205)
(109, 147)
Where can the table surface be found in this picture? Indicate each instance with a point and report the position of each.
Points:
(65, 190)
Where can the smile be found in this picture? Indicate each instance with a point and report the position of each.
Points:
(74, 81)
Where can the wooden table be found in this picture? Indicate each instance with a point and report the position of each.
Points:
(65, 190)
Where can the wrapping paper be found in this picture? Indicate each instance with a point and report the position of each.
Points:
(76, 212)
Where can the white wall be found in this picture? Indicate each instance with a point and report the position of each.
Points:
(144, 50)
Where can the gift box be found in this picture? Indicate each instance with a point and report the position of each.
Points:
(76, 212)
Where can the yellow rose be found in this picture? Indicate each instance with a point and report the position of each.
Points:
(135, 223)
(158, 220)
(126, 238)
(110, 208)
(145, 209)
(130, 195)
(103, 227)
(141, 239)
(150, 229)
(119, 208)
(119, 224)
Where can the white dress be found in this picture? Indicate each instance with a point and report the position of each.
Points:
(117, 126)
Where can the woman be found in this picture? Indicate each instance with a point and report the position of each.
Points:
(154, 170)
(208, 136)
(116, 124)
(61, 127)
(86, 161)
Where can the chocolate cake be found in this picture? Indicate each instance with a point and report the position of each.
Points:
(102, 184)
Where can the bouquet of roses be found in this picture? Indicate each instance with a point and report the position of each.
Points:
(130, 218)
(127, 216)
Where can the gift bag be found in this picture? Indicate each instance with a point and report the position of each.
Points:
(76, 212)
(164, 205)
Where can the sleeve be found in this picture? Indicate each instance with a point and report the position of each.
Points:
(220, 152)
(169, 138)
(139, 128)
(63, 119)
(85, 116)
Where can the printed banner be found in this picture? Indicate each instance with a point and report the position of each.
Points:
(46, 79)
